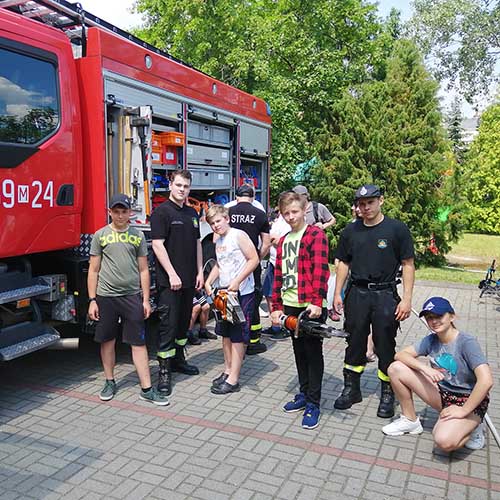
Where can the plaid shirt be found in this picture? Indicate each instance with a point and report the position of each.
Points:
(313, 270)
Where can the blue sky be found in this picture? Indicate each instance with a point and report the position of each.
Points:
(118, 13)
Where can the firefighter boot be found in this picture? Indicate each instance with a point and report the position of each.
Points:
(351, 393)
(386, 405)
(165, 376)
(180, 365)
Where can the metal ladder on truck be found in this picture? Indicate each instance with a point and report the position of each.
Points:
(20, 316)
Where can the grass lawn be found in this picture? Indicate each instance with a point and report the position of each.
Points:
(471, 252)
(449, 275)
(475, 251)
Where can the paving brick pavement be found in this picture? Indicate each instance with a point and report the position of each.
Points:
(58, 440)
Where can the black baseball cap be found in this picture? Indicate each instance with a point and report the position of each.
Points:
(368, 191)
(120, 199)
(245, 190)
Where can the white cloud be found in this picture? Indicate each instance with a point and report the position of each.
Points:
(117, 12)
(18, 110)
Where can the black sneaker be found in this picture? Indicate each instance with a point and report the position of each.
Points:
(225, 388)
(256, 348)
(269, 331)
(205, 334)
(221, 378)
(281, 335)
(193, 339)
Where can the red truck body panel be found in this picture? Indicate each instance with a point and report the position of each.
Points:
(35, 226)
(76, 153)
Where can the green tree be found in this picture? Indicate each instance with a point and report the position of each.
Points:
(455, 131)
(482, 179)
(461, 38)
(390, 133)
(297, 55)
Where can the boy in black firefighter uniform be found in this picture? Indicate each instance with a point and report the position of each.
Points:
(372, 249)
(254, 222)
(175, 233)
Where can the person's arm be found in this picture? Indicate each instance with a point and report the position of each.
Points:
(403, 309)
(318, 251)
(214, 274)
(342, 272)
(265, 246)
(248, 250)
(164, 260)
(326, 225)
(326, 218)
(199, 264)
(484, 382)
(142, 263)
(276, 300)
(92, 277)
(409, 357)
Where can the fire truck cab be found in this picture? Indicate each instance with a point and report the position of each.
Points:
(88, 111)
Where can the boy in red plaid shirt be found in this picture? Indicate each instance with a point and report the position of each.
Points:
(300, 284)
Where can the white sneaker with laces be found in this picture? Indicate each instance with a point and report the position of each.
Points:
(263, 313)
(403, 425)
(476, 439)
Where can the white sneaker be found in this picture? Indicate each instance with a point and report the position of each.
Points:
(476, 439)
(263, 313)
(403, 425)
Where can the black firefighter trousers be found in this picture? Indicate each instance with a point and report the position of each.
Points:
(370, 310)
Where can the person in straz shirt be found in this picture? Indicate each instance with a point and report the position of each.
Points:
(455, 383)
(300, 284)
(175, 230)
(118, 288)
(245, 216)
(236, 260)
(372, 249)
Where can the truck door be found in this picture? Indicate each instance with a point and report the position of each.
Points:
(40, 142)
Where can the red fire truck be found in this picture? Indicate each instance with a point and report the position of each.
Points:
(86, 111)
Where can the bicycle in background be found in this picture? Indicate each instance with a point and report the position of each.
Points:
(490, 285)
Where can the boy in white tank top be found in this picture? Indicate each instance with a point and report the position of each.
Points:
(236, 260)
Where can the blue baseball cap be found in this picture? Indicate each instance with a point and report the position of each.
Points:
(436, 305)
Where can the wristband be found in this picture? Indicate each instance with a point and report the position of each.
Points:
(92, 299)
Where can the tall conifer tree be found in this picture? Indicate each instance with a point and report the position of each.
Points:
(390, 133)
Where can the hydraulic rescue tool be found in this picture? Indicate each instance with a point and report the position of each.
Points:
(302, 324)
(227, 306)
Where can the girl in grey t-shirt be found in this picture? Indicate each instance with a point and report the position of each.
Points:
(456, 382)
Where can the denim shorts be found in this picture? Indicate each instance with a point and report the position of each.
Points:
(240, 332)
(267, 285)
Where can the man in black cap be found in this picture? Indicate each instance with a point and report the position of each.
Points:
(372, 249)
(118, 288)
(252, 221)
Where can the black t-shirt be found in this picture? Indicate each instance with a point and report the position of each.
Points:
(250, 219)
(375, 252)
(180, 228)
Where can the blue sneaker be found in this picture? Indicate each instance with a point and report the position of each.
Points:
(298, 403)
(311, 416)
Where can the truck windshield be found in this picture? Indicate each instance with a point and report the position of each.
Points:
(29, 107)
